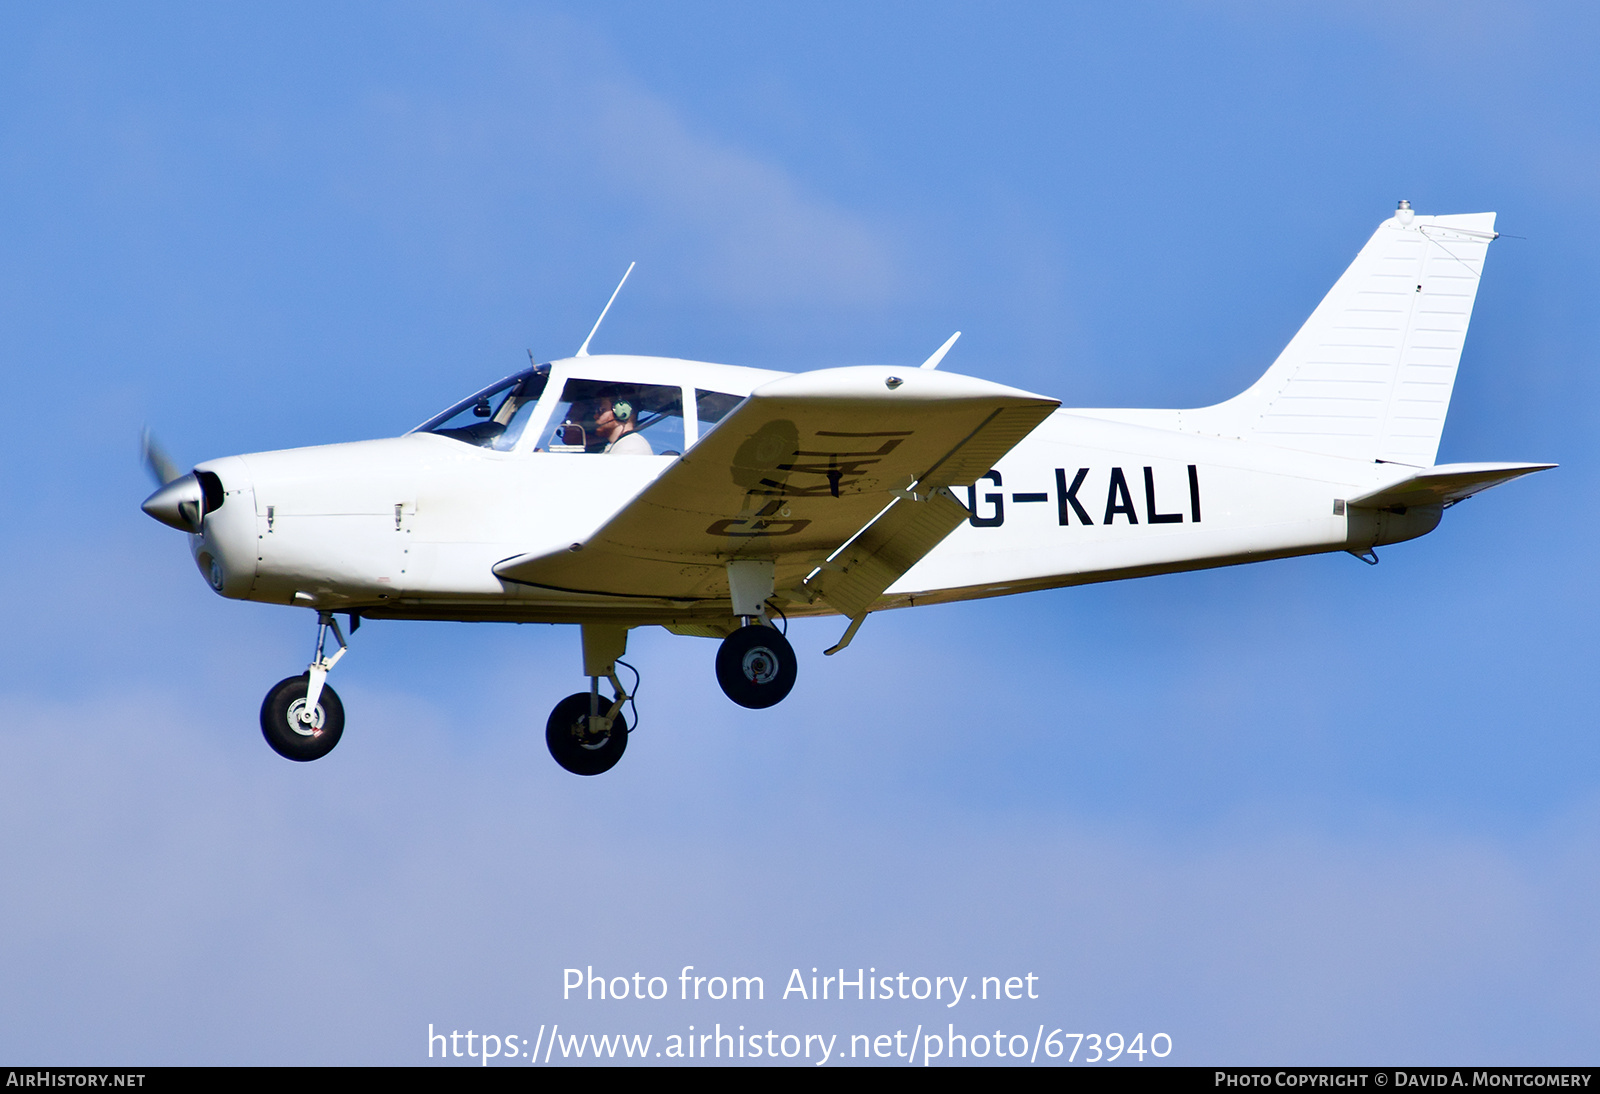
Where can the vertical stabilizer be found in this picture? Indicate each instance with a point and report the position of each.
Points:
(1369, 375)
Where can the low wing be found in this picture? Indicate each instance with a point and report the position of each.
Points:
(1445, 484)
(804, 466)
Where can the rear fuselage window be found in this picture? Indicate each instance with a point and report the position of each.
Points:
(713, 406)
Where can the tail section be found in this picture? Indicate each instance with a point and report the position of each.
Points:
(1369, 375)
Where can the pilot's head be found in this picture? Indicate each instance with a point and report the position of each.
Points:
(613, 415)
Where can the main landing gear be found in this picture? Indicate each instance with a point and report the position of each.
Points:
(756, 666)
(583, 734)
(301, 717)
(586, 734)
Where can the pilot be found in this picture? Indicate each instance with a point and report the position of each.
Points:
(616, 423)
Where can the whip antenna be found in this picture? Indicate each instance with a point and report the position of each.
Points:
(583, 350)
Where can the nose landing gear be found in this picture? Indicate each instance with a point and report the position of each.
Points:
(301, 717)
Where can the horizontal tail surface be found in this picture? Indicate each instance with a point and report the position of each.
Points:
(1445, 484)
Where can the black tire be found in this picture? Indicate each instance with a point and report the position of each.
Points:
(291, 738)
(756, 667)
(566, 735)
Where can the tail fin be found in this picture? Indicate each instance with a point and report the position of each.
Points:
(1369, 375)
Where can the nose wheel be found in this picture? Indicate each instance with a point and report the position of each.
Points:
(291, 733)
(756, 666)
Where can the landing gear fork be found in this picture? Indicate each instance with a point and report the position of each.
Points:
(321, 665)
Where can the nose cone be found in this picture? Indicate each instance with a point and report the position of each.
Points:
(177, 504)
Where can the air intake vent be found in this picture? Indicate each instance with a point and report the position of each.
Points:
(211, 490)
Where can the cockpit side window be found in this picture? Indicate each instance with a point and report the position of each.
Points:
(496, 416)
(621, 419)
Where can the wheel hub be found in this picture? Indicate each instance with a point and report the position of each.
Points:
(760, 666)
(588, 738)
(756, 666)
(300, 724)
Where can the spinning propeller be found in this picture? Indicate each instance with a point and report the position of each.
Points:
(179, 501)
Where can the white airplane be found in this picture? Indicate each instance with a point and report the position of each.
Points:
(615, 492)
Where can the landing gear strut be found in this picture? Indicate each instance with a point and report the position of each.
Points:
(301, 717)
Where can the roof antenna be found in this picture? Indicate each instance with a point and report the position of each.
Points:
(938, 354)
(583, 350)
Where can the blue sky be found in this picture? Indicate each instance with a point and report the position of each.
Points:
(1304, 812)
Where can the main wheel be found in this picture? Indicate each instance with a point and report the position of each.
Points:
(574, 747)
(756, 666)
(292, 738)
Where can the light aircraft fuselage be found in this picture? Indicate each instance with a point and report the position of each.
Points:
(413, 526)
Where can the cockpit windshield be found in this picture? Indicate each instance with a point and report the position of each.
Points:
(480, 420)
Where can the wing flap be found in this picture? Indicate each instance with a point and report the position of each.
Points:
(855, 577)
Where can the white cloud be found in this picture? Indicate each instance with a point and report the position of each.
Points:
(553, 151)
(759, 236)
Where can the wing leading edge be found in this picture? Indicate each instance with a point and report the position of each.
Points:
(844, 469)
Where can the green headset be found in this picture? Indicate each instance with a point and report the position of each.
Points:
(621, 409)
